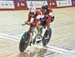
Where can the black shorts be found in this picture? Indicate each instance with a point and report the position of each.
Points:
(43, 21)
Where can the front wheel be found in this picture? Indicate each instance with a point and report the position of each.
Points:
(24, 41)
(46, 37)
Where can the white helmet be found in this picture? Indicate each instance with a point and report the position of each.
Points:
(33, 10)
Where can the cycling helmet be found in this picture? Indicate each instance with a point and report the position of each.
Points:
(33, 10)
(45, 7)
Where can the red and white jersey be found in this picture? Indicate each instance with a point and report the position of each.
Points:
(49, 12)
(36, 17)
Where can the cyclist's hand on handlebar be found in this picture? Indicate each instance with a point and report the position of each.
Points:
(22, 24)
(28, 23)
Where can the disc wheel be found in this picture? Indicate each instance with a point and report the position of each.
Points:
(47, 37)
(24, 41)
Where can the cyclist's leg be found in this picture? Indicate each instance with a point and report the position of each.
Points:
(31, 33)
(48, 21)
(39, 28)
(33, 24)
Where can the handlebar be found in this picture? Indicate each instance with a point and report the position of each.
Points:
(26, 24)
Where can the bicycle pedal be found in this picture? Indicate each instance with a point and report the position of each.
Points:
(38, 41)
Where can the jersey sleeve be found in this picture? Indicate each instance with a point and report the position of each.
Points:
(38, 15)
(51, 12)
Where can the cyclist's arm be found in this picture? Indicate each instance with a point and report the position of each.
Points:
(37, 19)
(29, 18)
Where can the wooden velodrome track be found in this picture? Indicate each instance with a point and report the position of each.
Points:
(63, 35)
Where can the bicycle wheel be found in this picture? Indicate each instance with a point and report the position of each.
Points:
(24, 41)
(47, 37)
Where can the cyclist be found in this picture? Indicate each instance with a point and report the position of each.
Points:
(36, 15)
(48, 16)
(43, 17)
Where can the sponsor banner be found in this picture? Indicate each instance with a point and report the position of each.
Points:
(6, 4)
(61, 3)
(69, 2)
(20, 4)
(37, 4)
(73, 2)
(52, 3)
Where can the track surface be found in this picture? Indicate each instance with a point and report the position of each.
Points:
(63, 35)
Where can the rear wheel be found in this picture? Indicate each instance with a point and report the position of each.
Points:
(47, 37)
(24, 41)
